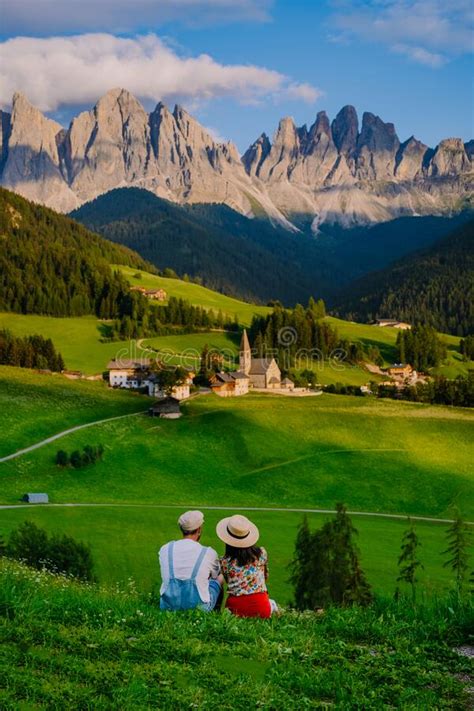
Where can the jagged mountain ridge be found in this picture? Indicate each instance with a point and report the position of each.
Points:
(331, 172)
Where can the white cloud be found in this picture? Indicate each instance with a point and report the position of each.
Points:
(420, 55)
(430, 32)
(47, 17)
(65, 71)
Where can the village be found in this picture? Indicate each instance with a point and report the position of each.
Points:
(253, 374)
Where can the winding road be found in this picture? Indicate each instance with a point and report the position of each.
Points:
(53, 438)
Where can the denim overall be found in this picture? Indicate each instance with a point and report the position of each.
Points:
(182, 594)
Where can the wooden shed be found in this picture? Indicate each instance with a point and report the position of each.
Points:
(167, 408)
(36, 498)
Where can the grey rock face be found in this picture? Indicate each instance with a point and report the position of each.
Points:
(331, 171)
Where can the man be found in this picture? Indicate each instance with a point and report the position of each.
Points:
(189, 571)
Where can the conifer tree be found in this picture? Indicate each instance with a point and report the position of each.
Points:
(408, 562)
(458, 535)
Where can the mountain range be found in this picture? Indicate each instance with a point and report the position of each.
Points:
(333, 172)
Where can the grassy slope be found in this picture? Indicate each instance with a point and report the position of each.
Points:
(34, 406)
(197, 295)
(72, 646)
(125, 541)
(255, 451)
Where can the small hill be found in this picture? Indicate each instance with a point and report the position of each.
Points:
(68, 645)
(434, 286)
(49, 264)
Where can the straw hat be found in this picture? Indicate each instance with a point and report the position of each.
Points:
(237, 531)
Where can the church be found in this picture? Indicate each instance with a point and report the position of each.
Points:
(262, 372)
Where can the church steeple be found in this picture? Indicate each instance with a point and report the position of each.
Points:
(245, 355)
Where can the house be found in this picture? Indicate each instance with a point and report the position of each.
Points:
(230, 384)
(263, 373)
(392, 323)
(179, 392)
(156, 294)
(400, 370)
(128, 373)
(287, 384)
(36, 498)
(168, 408)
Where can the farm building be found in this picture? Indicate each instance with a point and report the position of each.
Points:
(168, 408)
(179, 392)
(156, 294)
(36, 498)
(230, 384)
(392, 323)
(400, 370)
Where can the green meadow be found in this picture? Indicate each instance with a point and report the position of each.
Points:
(67, 645)
(35, 406)
(195, 294)
(125, 541)
(256, 451)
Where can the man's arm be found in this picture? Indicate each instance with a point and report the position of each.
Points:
(215, 567)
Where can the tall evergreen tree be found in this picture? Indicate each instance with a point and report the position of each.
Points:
(408, 562)
(458, 538)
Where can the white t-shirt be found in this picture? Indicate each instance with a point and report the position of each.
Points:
(185, 554)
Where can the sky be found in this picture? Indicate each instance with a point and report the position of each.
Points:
(239, 66)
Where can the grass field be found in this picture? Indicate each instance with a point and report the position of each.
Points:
(195, 294)
(260, 450)
(66, 645)
(125, 541)
(34, 406)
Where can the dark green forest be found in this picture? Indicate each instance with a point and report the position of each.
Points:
(29, 352)
(251, 258)
(50, 264)
(434, 286)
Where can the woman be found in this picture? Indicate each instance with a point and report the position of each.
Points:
(244, 567)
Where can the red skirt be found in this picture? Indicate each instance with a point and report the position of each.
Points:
(254, 605)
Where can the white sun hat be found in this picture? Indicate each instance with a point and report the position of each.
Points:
(237, 531)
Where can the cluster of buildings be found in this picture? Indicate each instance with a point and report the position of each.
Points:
(136, 374)
(256, 373)
(155, 294)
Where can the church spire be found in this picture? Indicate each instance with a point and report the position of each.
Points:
(245, 355)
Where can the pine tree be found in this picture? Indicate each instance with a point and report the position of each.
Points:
(300, 566)
(408, 562)
(458, 535)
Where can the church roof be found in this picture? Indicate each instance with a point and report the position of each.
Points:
(259, 366)
(244, 343)
(238, 375)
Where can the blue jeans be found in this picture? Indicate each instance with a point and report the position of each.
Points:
(214, 592)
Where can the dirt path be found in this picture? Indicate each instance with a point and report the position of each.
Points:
(399, 517)
(43, 442)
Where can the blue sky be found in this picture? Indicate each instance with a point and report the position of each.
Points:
(240, 65)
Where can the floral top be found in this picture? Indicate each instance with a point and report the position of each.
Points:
(246, 579)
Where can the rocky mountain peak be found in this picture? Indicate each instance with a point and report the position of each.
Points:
(329, 171)
(377, 135)
(345, 130)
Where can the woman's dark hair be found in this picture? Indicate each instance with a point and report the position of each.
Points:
(243, 556)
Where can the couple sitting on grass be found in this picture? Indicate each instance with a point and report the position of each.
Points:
(193, 576)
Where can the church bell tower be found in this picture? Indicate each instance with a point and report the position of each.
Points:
(245, 355)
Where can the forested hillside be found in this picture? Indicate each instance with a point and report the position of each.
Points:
(230, 253)
(49, 264)
(250, 258)
(435, 286)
